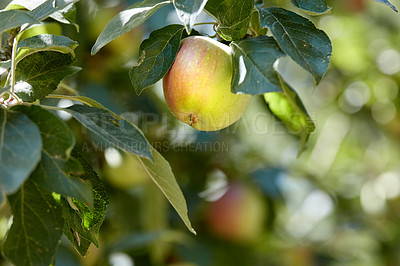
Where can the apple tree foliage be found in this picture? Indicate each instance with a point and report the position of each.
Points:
(51, 188)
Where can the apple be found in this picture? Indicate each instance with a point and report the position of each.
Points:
(237, 216)
(197, 88)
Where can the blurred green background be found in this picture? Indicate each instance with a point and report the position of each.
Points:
(251, 200)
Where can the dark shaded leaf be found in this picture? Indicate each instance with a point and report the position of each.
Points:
(233, 17)
(299, 38)
(127, 20)
(312, 7)
(20, 149)
(157, 54)
(58, 141)
(82, 224)
(53, 175)
(253, 61)
(287, 106)
(14, 18)
(188, 11)
(57, 138)
(37, 227)
(117, 132)
(40, 73)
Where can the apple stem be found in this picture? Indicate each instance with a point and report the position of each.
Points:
(253, 32)
(193, 119)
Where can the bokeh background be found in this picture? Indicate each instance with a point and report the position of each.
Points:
(251, 198)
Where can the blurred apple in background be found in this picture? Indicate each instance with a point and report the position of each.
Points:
(356, 5)
(239, 215)
(124, 171)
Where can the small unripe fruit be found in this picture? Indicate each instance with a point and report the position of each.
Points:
(197, 88)
(238, 216)
(126, 174)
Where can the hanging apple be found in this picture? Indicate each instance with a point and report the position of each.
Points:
(197, 88)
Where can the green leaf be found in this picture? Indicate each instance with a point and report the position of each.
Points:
(57, 138)
(82, 99)
(255, 23)
(58, 141)
(287, 106)
(40, 73)
(253, 60)
(14, 18)
(161, 174)
(188, 11)
(312, 7)
(37, 227)
(50, 7)
(299, 38)
(20, 148)
(52, 174)
(116, 131)
(45, 42)
(127, 20)
(233, 17)
(385, 2)
(82, 224)
(67, 15)
(64, 15)
(157, 54)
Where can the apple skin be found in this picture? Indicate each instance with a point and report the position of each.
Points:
(237, 216)
(197, 88)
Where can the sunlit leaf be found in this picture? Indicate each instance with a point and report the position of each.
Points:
(287, 106)
(40, 73)
(14, 18)
(45, 42)
(64, 15)
(50, 7)
(127, 20)
(188, 11)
